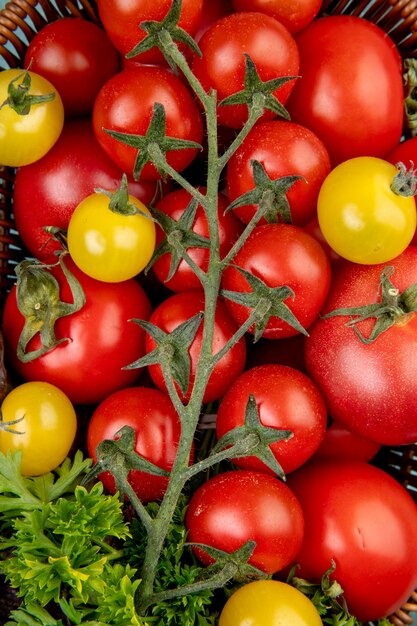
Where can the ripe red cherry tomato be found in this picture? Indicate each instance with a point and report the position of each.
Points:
(364, 520)
(77, 57)
(222, 65)
(151, 414)
(346, 65)
(283, 149)
(234, 507)
(125, 104)
(294, 14)
(281, 254)
(177, 309)
(287, 400)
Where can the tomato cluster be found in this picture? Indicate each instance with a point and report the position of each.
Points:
(314, 312)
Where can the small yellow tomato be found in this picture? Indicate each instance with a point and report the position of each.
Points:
(360, 216)
(27, 136)
(39, 420)
(107, 245)
(269, 603)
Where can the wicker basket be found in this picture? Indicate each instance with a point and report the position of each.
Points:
(20, 20)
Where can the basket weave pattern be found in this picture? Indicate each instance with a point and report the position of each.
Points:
(20, 20)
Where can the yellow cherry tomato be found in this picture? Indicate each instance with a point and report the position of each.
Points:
(269, 603)
(107, 245)
(39, 420)
(360, 216)
(27, 136)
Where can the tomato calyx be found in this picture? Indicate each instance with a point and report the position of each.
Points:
(405, 181)
(269, 194)
(258, 94)
(179, 236)
(393, 308)
(164, 34)
(254, 439)
(265, 301)
(38, 299)
(171, 350)
(19, 99)
(119, 457)
(152, 146)
(119, 201)
(410, 87)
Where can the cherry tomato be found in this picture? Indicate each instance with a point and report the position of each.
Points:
(108, 245)
(103, 340)
(281, 254)
(376, 379)
(222, 64)
(125, 104)
(173, 205)
(294, 14)
(366, 522)
(27, 137)
(346, 65)
(283, 149)
(151, 414)
(122, 21)
(361, 217)
(237, 506)
(44, 192)
(41, 423)
(269, 603)
(77, 57)
(287, 400)
(177, 309)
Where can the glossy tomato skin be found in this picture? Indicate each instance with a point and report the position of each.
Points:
(45, 193)
(222, 64)
(77, 57)
(125, 104)
(363, 519)
(368, 388)
(157, 427)
(341, 444)
(294, 14)
(174, 204)
(282, 254)
(102, 339)
(236, 506)
(269, 603)
(177, 309)
(25, 138)
(346, 64)
(287, 400)
(121, 20)
(283, 149)
(45, 429)
(361, 216)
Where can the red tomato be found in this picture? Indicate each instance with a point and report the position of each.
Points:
(122, 19)
(370, 388)
(283, 149)
(365, 521)
(281, 254)
(287, 400)
(77, 57)
(346, 65)
(405, 152)
(174, 204)
(222, 65)
(313, 228)
(177, 309)
(103, 340)
(234, 507)
(212, 11)
(47, 192)
(125, 104)
(339, 444)
(151, 414)
(294, 14)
